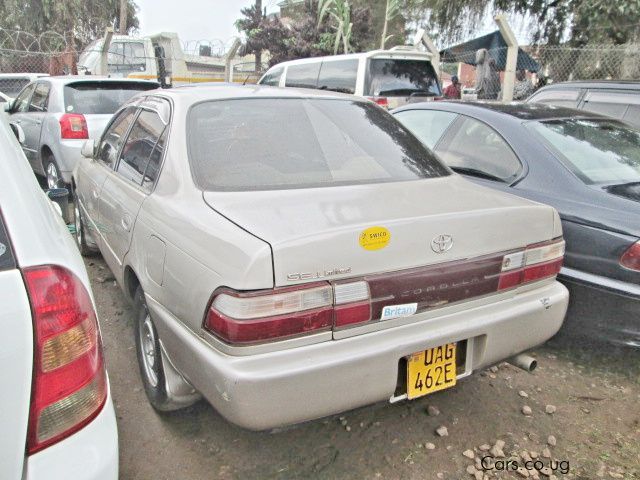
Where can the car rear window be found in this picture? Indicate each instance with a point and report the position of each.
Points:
(393, 77)
(101, 97)
(271, 144)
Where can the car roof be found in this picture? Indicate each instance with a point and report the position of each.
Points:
(201, 93)
(23, 75)
(66, 79)
(514, 110)
(605, 84)
(399, 53)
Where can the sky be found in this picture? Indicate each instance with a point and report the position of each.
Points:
(194, 20)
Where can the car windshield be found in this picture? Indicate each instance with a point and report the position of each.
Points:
(391, 77)
(598, 151)
(100, 97)
(270, 144)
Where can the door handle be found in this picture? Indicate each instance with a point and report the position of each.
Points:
(94, 193)
(38, 122)
(126, 223)
(17, 122)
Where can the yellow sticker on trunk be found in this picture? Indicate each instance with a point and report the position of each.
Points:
(375, 238)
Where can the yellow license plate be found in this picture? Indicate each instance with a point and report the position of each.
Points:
(431, 370)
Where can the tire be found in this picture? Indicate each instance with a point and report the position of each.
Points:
(80, 234)
(149, 356)
(52, 175)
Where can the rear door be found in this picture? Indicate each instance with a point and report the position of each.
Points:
(16, 352)
(126, 187)
(32, 122)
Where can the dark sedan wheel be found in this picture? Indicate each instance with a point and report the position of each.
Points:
(149, 356)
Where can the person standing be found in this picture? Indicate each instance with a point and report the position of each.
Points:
(523, 87)
(453, 91)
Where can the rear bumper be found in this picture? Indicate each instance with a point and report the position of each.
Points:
(68, 157)
(606, 284)
(89, 454)
(274, 389)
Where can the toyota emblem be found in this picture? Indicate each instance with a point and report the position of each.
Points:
(442, 243)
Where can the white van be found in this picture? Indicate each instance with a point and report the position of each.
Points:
(391, 78)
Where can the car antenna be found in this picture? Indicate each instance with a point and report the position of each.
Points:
(245, 80)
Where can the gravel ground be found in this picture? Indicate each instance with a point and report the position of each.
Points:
(582, 421)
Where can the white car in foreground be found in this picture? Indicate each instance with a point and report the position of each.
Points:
(56, 415)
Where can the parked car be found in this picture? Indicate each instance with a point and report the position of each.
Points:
(295, 272)
(56, 414)
(390, 78)
(12, 83)
(615, 98)
(57, 115)
(585, 165)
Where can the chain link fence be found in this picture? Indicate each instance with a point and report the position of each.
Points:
(160, 57)
(543, 64)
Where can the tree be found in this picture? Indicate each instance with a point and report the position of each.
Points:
(340, 12)
(81, 21)
(553, 21)
(251, 24)
(391, 11)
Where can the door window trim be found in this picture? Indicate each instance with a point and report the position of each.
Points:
(28, 101)
(46, 100)
(447, 137)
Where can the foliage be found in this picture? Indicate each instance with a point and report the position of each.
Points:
(552, 21)
(305, 35)
(391, 11)
(81, 20)
(340, 12)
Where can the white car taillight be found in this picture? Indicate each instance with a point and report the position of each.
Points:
(538, 261)
(69, 386)
(73, 126)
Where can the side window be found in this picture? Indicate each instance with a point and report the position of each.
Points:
(427, 125)
(473, 145)
(632, 117)
(40, 98)
(559, 98)
(304, 75)
(272, 77)
(114, 136)
(338, 75)
(155, 161)
(140, 147)
(612, 104)
(21, 103)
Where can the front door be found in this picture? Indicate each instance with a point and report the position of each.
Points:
(32, 124)
(19, 114)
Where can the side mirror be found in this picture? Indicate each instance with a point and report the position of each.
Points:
(88, 149)
(18, 132)
(60, 199)
(7, 106)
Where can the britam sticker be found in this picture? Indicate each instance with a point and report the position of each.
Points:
(395, 311)
(3, 249)
(375, 238)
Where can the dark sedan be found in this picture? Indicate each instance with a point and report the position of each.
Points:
(585, 165)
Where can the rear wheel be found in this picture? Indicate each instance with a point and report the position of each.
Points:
(149, 356)
(80, 235)
(52, 172)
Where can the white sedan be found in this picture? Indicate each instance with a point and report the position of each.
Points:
(56, 414)
(293, 254)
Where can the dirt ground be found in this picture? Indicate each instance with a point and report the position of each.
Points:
(595, 424)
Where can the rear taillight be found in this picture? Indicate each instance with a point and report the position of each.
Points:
(69, 382)
(73, 126)
(631, 258)
(536, 262)
(382, 101)
(250, 317)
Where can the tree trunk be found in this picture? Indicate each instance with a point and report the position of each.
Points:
(123, 17)
(258, 53)
(384, 28)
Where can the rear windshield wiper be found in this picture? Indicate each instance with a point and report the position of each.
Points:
(407, 91)
(476, 173)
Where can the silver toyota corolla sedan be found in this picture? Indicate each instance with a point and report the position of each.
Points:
(295, 254)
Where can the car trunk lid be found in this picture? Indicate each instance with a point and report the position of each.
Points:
(344, 232)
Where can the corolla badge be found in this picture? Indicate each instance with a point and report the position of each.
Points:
(442, 243)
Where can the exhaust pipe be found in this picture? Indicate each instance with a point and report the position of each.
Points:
(525, 362)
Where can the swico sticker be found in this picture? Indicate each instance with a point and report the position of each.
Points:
(375, 238)
(395, 311)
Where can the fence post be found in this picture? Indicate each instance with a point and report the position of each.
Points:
(228, 67)
(104, 51)
(512, 57)
(422, 37)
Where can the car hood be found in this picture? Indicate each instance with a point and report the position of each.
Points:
(318, 231)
